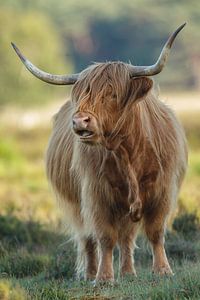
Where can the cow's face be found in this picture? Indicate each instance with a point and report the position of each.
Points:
(104, 98)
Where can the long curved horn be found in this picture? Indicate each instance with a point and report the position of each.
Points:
(49, 78)
(137, 71)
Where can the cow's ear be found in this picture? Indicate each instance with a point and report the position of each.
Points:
(140, 87)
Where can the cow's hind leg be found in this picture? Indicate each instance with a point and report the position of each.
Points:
(154, 223)
(87, 255)
(107, 241)
(126, 241)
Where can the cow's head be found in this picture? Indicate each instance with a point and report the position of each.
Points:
(103, 98)
(104, 94)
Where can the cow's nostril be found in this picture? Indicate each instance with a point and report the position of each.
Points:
(86, 119)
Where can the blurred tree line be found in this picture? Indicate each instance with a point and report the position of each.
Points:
(66, 35)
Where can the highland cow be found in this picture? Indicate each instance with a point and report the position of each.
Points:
(116, 160)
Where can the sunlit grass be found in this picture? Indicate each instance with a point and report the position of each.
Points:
(23, 186)
(189, 198)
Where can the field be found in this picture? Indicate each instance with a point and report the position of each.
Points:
(36, 258)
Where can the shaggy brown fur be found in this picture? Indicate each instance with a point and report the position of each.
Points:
(128, 174)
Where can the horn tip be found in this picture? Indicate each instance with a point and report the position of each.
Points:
(173, 36)
(179, 28)
(183, 25)
(18, 52)
(14, 46)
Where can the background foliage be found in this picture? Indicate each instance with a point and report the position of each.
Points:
(66, 35)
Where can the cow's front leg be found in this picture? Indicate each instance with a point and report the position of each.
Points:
(105, 269)
(86, 258)
(154, 227)
(160, 263)
(91, 259)
(126, 241)
(126, 257)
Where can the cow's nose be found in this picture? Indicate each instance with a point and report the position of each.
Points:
(80, 122)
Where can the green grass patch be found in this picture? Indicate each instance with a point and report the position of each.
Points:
(41, 265)
(29, 234)
(184, 284)
(22, 264)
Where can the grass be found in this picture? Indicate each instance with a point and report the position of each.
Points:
(40, 264)
(23, 184)
(145, 286)
(36, 261)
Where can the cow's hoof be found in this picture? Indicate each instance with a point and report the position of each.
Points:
(90, 277)
(163, 270)
(104, 280)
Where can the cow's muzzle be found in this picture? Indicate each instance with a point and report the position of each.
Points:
(84, 125)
